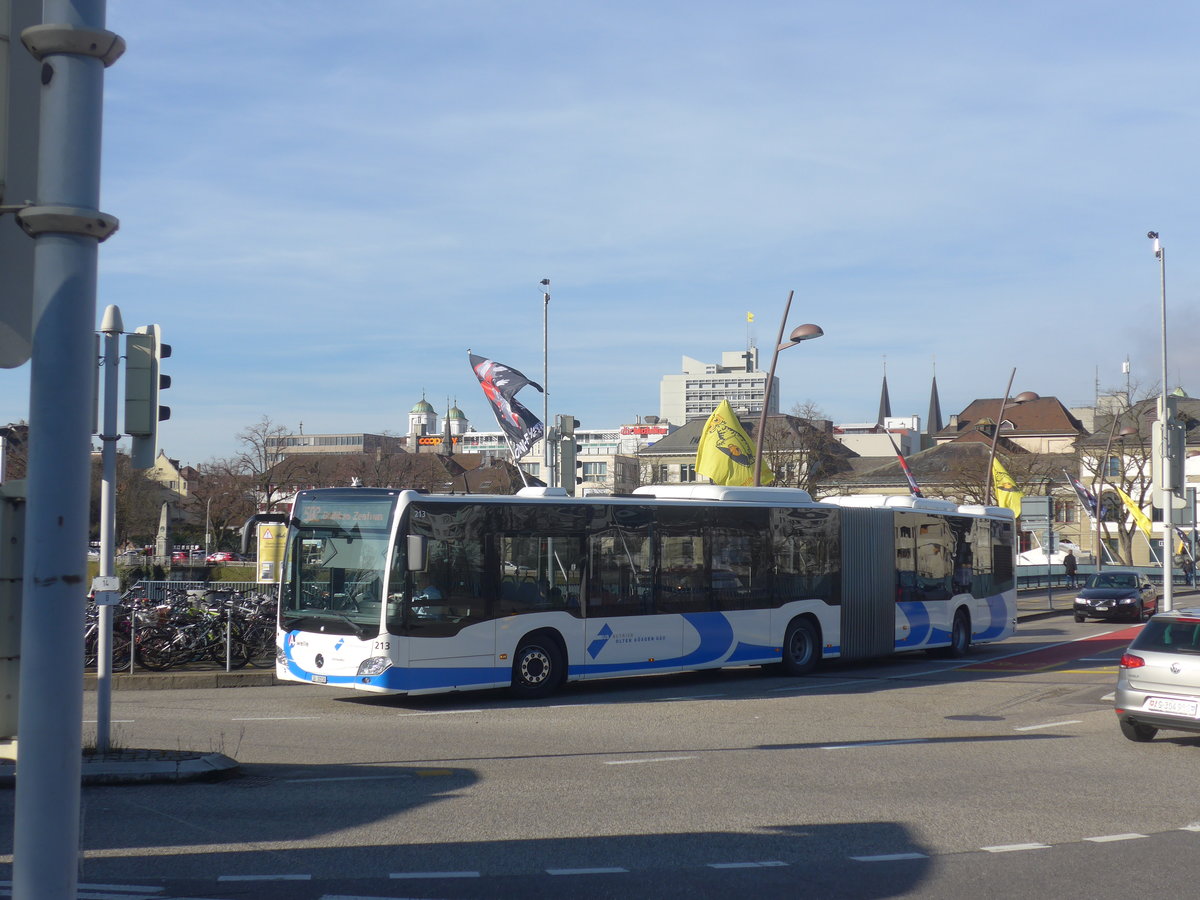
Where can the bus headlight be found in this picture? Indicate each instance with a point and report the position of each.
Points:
(376, 665)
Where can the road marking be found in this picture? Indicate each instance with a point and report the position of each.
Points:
(765, 864)
(111, 721)
(615, 870)
(1010, 848)
(815, 683)
(274, 718)
(264, 878)
(1111, 695)
(693, 697)
(1195, 826)
(438, 712)
(347, 778)
(890, 857)
(635, 762)
(874, 744)
(1048, 725)
(127, 888)
(434, 875)
(1106, 838)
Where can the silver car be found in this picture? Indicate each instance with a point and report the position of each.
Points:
(1158, 682)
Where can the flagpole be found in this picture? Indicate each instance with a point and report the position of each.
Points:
(549, 479)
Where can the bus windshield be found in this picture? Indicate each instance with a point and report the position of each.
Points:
(335, 566)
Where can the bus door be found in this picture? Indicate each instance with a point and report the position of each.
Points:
(626, 628)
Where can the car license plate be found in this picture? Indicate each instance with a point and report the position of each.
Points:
(1167, 705)
(319, 679)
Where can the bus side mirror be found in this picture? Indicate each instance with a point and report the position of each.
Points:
(417, 553)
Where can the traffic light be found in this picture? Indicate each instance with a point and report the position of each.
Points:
(567, 448)
(143, 351)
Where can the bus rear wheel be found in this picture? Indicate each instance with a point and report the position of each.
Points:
(960, 637)
(801, 648)
(538, 667)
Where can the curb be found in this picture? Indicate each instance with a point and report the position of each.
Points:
(142, 767)
(153, 681)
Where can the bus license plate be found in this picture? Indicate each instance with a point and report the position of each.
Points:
(1167, 705)
(319, 679)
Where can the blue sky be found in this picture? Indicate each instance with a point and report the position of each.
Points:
(324, 205)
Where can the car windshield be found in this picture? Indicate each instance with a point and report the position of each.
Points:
(1170, 636)
(1112, 580)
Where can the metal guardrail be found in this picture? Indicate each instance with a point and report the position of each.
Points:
(1028, 578)
(158, 590)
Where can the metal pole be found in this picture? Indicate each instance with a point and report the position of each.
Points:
(987, 490)
(67, 225)
(762, 417)
(547, 473)
(1100, 493)
(1192, 504)
(1167, 496)
(111, 328)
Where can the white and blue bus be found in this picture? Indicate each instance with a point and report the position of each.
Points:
(400, 592)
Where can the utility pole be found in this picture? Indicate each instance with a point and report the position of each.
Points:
(73, 49)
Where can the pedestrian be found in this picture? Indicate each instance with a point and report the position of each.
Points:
(1070, 567)
(1189, 571)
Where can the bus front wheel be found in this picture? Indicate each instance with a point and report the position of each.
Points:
(538, 667)
(801, 648)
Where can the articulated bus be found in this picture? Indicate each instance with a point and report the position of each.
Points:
(401, 592)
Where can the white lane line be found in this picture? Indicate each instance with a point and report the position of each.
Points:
(874, 744)
(813, 685)
(273, 718)
(693, 697)
(112, 721)
(434, 875)
(127, 888)
(1112, 695)
(347, 778)
(438, 712)
(638, 762)
(264, 878)
(1048, 725)
(614, 870)
(1194, 826)
(1011, 848)
(890, 857)
(1106, 838)
(765, 864)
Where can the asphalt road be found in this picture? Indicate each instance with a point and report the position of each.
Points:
(911, 777)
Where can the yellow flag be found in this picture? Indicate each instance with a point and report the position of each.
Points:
(1007, 494)
(725, 453)
(749, 317)
(1143, 522)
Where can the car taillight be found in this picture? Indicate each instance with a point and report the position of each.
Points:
(1129, 661)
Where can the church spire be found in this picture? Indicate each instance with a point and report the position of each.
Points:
(933, 424)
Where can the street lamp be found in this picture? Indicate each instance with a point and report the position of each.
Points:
(1023, 397)
(800, 333)
(1101, 471)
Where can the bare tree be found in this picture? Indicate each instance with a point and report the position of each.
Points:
(262, 461)
(1126, 467)
(223, 498)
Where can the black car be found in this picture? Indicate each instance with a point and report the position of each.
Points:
(1115, 594)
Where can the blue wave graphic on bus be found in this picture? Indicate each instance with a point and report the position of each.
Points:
(716, 640)
(918, 623)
